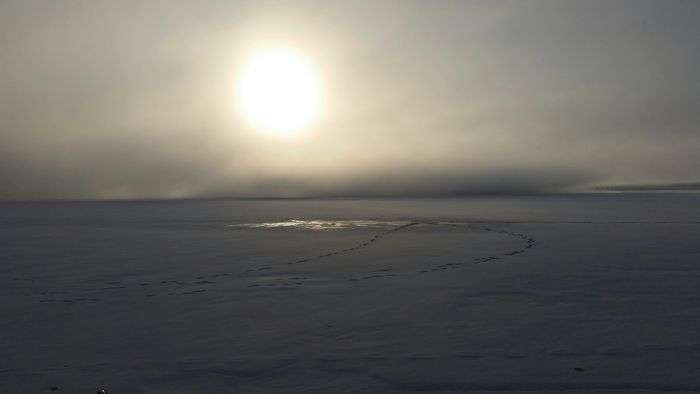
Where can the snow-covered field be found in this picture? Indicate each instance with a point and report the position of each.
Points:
(592, 293)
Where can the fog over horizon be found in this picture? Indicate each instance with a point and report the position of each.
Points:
(136, 99)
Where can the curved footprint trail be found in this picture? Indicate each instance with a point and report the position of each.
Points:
(529, 242)
(358, 246)
(200, 284)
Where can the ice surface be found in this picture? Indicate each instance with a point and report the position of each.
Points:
(322, 224)
(538, 294)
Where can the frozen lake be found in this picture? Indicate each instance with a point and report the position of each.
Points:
(530, 294)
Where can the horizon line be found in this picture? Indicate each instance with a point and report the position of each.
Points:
(601, 190)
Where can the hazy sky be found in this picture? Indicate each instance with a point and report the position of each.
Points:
(121, 99)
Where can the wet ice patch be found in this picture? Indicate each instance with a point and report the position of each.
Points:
(321, 224)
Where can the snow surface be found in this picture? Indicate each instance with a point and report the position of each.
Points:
(537, 294)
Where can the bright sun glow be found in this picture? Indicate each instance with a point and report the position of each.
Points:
(278, 91)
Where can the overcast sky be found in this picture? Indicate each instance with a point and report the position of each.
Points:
(121, 99)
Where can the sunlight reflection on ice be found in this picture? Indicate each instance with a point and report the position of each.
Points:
(322, 224)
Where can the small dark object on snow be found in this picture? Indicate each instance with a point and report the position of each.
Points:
(579, 369)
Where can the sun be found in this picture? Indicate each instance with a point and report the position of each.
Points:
(278, 91)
